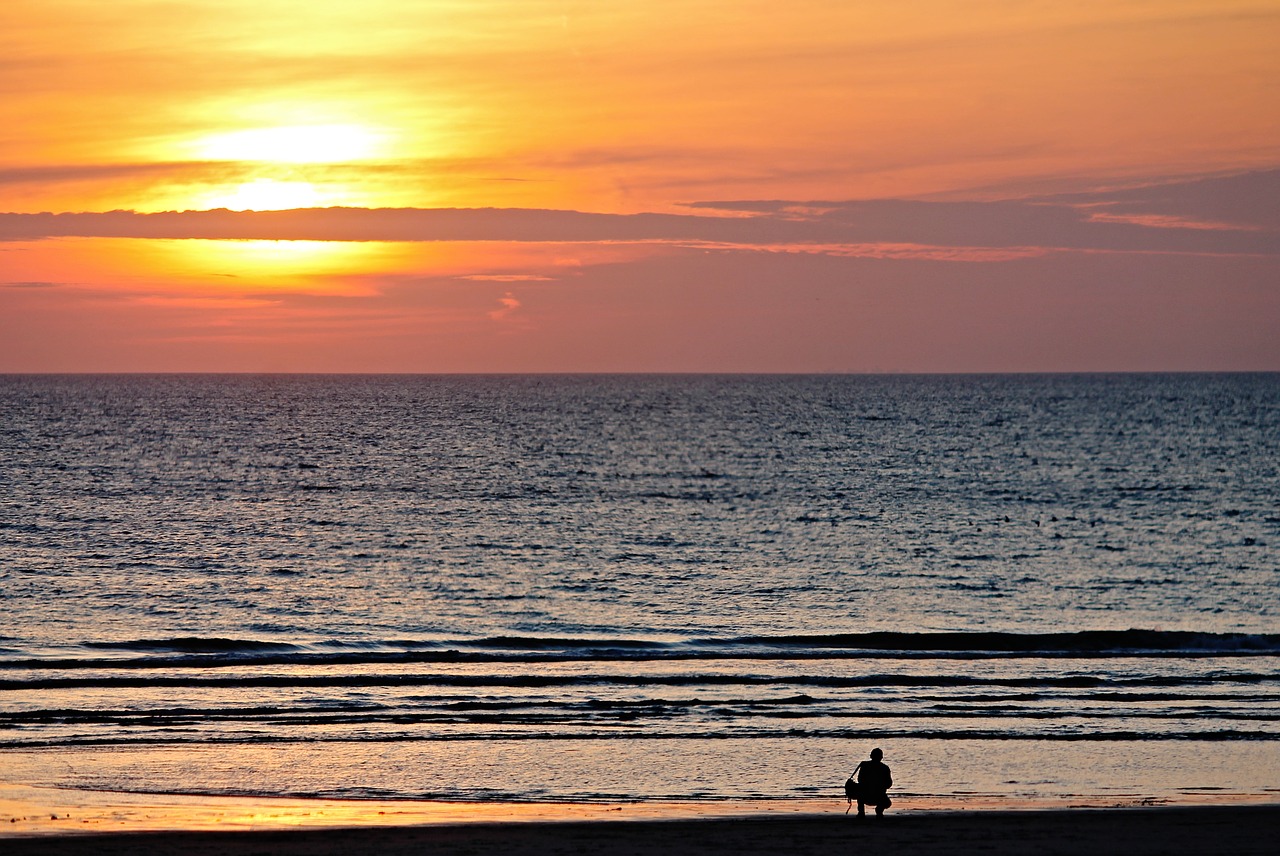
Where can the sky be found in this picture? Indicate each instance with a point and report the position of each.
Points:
(657, 186)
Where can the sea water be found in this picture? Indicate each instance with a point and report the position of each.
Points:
(641, 587)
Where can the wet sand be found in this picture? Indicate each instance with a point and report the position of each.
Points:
(72, 823)
(31, 811)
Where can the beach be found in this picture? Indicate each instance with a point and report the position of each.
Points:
(1231, 829)
(67, 822)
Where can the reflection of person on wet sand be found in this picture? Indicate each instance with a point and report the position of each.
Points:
(873, 779)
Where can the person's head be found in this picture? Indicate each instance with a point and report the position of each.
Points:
(876, 754)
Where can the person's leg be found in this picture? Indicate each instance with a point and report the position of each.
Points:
(862, 809)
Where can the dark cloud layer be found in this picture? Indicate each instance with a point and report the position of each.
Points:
(1248, 199)
(1231, 215)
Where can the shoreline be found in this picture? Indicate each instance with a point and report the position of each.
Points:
(30, 812)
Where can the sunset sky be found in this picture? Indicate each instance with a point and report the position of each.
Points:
(701, 185)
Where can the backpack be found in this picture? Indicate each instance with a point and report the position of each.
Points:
(851, 788)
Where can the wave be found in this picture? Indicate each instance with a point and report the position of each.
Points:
(1107, 642)
(194, 645)
(194, 651)
(860, 733)
(1069, 681)
(578, 713)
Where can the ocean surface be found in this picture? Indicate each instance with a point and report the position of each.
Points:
(641, 587)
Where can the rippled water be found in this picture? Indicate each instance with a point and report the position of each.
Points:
(603, 587)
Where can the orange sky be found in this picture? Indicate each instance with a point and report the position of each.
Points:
(938, 186)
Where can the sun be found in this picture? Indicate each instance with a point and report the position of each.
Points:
(293, 144)
(267, 194)
(286, 166)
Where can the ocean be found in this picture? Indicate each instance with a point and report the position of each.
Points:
(620, 588)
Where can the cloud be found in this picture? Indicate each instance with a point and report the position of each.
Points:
(1171, 218)
(509, 305)
(65, 173)
(1250, 199)
(1243, 210)
(207, 302)
(506, 277)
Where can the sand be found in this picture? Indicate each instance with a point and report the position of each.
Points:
(1238, 830)
(150, 824)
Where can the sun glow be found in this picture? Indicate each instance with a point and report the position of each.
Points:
(293, 144)
(283, 258)
(316, 267)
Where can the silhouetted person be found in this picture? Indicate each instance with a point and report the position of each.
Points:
(873, 780)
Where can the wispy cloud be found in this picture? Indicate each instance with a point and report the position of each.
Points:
(62, 173)
(506, 277)
(509, 304)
